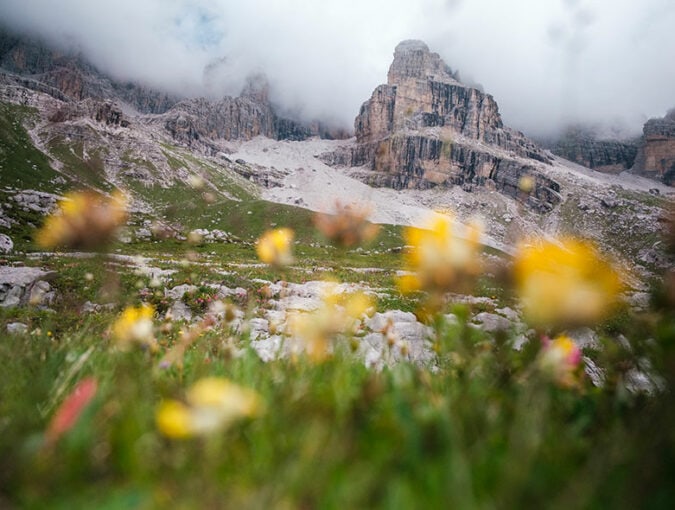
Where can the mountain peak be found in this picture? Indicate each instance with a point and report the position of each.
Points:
(413, 60)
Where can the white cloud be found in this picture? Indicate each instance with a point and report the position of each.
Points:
(546, 63)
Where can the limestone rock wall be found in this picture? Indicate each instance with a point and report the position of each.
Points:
(582, 146)
(425, 128)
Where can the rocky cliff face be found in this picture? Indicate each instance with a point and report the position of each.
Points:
(70, 78)
(582, 146)
(232, 118)
(656, 156)
(425, 128)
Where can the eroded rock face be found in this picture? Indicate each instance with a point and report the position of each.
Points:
(583, 147)
(656, 156)
(106, 112)
(425, 128)
(233, 118)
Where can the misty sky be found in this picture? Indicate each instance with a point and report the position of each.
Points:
(547, 62)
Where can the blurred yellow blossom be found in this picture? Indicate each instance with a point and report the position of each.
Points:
(212, 404)
(560, 359)
(348, 226)
(173, 419)
(339, 313)
(526, 183)
(565, 285)
(438, 259)
(84, 220)
(135, 325)
(275, 247)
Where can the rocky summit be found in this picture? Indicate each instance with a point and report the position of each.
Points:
(425, 128)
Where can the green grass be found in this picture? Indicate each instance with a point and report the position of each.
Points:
(86, 171)
(23, 166)
(484, 430)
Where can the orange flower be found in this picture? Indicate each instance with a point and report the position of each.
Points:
(84, 220)
(348, 227)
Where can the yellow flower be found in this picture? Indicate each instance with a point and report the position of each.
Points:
(526, 183)
(348, 227)
(213, 403)
(338, 314)
(560, 359)
(438, 259)
(173, 419)
(135, 325)
(275, 247)
(84, 220)
(565, 285)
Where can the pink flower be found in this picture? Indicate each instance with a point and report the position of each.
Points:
(560, 359)
(71, 408)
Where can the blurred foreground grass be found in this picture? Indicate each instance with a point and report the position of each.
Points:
(483, 429)
(483, 426)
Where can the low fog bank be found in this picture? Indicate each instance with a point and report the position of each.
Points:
(605, 62)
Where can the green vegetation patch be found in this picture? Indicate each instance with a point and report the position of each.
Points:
(22, 165)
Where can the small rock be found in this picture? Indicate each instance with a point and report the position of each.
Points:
(6, 244)
(595, 373)
(17, 328)
(179, 311)
(41, 294)
(584, 337)
(143, 233)
(179, 291)
(491, 322)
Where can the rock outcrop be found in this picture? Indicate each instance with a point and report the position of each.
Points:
(656, 156)
(20, 286)
(582, 146)
(106, 112)
(425, 128)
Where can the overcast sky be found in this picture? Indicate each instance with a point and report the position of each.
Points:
(547, 62)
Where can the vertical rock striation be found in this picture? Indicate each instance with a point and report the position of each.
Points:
(425, 128)
(582, 146)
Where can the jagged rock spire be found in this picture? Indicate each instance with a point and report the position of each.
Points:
(413, 60)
